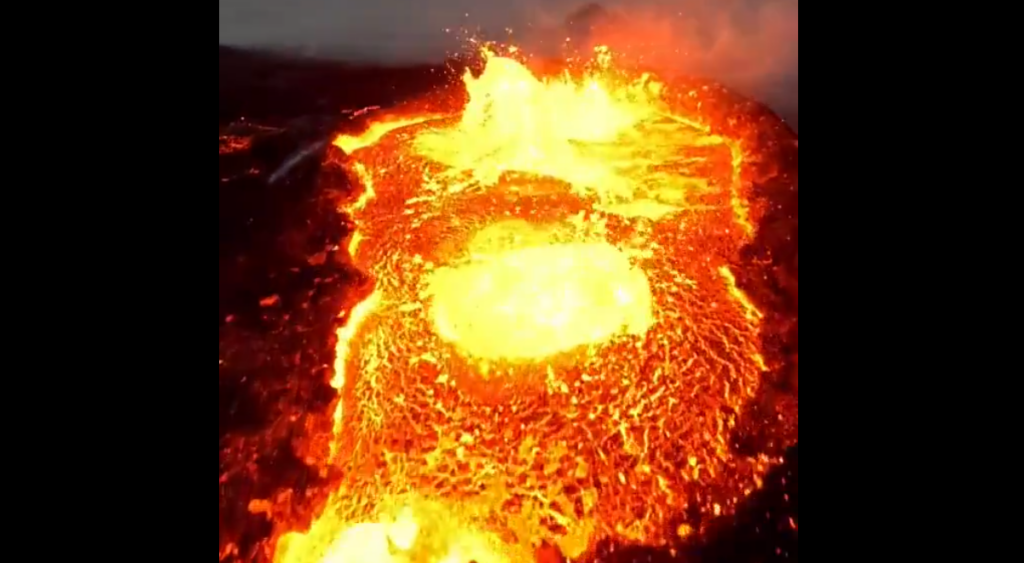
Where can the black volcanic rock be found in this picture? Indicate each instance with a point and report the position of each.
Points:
(268, 86)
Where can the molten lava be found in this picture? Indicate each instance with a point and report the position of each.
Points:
(536, 301)
(555, 348)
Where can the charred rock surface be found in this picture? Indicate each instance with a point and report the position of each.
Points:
(269, 87)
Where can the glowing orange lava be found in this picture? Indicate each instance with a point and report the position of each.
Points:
(555, 348)
(536, 301)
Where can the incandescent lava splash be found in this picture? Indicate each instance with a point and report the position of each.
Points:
(554, 348)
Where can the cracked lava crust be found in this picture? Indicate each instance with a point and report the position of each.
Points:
(553, 346)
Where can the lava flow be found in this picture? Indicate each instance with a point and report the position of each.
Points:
(554, 348)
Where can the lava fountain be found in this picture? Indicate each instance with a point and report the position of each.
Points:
(554, 348)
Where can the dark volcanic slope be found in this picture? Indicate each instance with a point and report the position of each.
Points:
(280, 290)
(267, 86)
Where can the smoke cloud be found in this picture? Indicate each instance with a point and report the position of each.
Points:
(750, 45)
